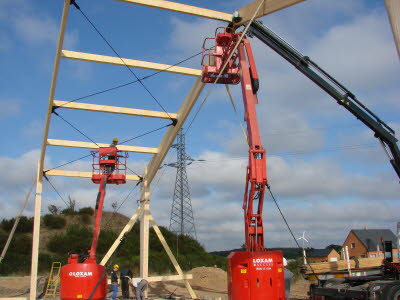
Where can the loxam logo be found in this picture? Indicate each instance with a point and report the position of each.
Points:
(80, 274)
(262, 260)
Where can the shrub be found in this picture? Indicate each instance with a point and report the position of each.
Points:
(294, 266)
(76, 238)
(25, 224)
(85, 219)
(86, 211)
(106, 239)
(54, 222)
(68, 211)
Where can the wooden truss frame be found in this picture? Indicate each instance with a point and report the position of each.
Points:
(143, 213)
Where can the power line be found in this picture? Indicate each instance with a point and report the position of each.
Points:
(117, 54)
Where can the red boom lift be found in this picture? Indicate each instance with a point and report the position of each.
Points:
(82, 277)
(254, 274)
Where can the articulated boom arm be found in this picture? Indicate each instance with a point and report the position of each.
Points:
(341, 94)
(256, 175)
(241, 68)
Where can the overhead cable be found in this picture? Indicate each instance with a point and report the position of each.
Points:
(117, 54)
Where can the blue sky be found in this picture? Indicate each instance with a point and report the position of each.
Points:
(325, 167)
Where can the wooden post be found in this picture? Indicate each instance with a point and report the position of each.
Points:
(144, 229)
(38, 196)
(393, 10)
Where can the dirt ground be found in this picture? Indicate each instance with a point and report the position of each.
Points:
(208, 284)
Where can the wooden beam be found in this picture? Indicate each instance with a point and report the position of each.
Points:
(90, 145)
(130, 63)
(114, 109)
(171, 256)
(124, 231)
(67, 173)
(170, 278)
(172, 132)
(38, 196)
(161, 278)
(393, 10)
(184, 8)
(268, 7)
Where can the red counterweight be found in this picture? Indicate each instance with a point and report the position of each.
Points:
(83, 277)
(254, 274)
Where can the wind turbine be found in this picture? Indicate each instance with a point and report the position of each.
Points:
(304, 251)
(303, 238)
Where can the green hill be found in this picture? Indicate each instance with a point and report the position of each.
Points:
(63, 233)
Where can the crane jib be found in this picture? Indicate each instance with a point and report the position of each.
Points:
(341, 94)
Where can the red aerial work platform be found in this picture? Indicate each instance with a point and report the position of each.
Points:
(254, 274)
(82, 278)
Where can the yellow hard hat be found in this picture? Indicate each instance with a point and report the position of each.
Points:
(116, 266)
(115, 140)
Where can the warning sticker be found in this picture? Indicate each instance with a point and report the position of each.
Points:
(243, 271)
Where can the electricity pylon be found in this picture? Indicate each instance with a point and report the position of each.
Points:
(182, 219)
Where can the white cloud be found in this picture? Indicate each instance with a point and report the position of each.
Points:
(318, 196)
(36, 31)
(32, 27)
(188, 36)
(350, 51)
